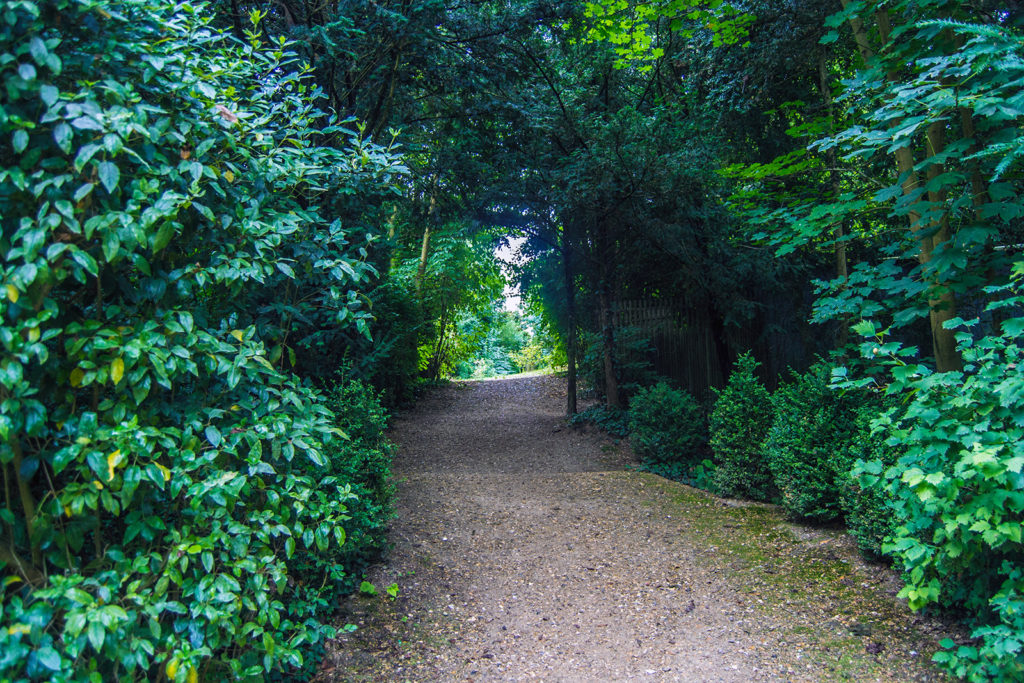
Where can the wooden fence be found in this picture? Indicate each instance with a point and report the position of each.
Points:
(682, 345)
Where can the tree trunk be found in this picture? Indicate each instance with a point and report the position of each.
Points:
(392, 226)
(979, 194)
(437, 360)
(611, 381)
(942, 303)
(606, 317)
(421, 270)
(860, 35)
(842, 271)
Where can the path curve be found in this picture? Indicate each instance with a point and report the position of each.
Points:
(524, 549)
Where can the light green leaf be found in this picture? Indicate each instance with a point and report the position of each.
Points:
(48, 658)
(97, 635)
(85, 154)
(19, 141)
(49, 94)
(865, 328)
(37, 48)
(109, 174)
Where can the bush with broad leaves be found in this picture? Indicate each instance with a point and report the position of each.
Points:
(159, 180)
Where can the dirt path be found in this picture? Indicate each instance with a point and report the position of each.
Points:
(523, 550)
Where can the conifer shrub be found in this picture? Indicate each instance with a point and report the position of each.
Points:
(738, 424)
(807, 446)
(668, 430)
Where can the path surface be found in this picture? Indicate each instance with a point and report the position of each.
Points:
(523, 550)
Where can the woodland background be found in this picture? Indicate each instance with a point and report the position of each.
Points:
(235, 232)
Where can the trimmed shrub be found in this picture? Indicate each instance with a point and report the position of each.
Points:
(807, 447)
(739, 422)
(668, 430)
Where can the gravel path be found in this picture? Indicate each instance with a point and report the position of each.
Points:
(524, 549)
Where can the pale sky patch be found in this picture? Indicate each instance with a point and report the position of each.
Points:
(508, 255)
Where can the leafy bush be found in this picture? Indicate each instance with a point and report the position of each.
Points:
(158, 182)
(668, 429)
(534, 356)
(808, 444)
(957, 487)
(363, 459)
(615, 422)
(868, 511)
(389, 359)
(739, 423)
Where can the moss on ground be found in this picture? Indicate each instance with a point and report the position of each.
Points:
(835, 613)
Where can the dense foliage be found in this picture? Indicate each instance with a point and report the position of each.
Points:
(867, 508)
(923, 258)
(957, 484)
(169, 240)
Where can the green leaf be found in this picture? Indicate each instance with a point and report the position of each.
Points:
(86, 123)
(109, 174)
(96, 635)
(163, 236)
(63, 136)
(865, 328)
(19, 141)
(887, 194)
(37, 48)
(49, 94)
(48, 658)
(213, 436)
(87, 262)
(85, 154)
(1013, 327)
(111, 246)
(83, 192)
